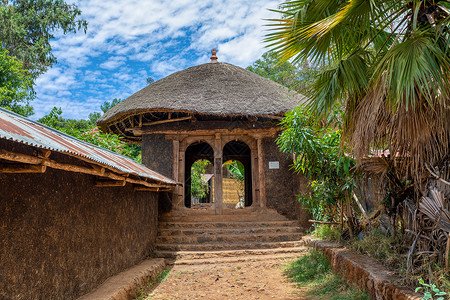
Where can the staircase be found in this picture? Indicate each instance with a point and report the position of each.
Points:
(231, 237)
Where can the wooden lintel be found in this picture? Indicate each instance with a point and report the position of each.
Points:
(147, 189)
(263, 131)
(4, 168)
(110, 183)
(166, 121)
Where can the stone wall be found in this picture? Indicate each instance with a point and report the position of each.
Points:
(283, 185)
(61, 236)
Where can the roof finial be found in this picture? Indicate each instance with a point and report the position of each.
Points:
(213, 56)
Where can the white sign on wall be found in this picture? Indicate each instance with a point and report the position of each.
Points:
(274, 164)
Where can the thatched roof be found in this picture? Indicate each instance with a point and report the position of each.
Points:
(211, 88)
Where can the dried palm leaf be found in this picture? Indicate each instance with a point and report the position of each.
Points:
(435, 209)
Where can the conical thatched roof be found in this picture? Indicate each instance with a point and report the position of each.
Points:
(211, 88)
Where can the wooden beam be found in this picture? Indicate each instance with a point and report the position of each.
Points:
(94, 170)
(110, 183)
(267, 131)
(146, 189)
(44, 153)
(19, 157)
(148, 184)
(5, 168)
(166, 121)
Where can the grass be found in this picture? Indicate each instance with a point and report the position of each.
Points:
(327, 232)
(312, 273)
(387, 250)
(143, 292)
(381, 247)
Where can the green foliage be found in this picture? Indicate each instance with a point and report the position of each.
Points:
(430, 291)
(309, 267)
(16, 88)
(381, 247)
(236, 169)
(312, 272)
(387, 62)
(199, 186)
(143, 292)
(318, 156)
(28, 26)
(327, 232)
(292, 76)
(87, 131)
(108, 105)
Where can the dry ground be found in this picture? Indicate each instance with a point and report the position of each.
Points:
(253, 279)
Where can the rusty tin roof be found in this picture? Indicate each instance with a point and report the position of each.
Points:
(23, 130)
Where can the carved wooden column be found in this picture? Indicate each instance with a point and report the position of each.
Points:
(179, 204)
(175, 170)
(218, 193)
(261, 173)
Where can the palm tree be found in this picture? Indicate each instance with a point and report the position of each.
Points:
(387, 62)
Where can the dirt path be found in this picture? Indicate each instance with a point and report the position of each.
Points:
(240, 280)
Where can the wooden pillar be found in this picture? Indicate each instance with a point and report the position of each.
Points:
(181, 161)
(218, 193)
(175, 170)
(261, 173)
(255, 180)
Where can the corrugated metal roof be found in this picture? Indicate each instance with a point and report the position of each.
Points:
(23, 130)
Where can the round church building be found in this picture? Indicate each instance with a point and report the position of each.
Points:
(213, 129)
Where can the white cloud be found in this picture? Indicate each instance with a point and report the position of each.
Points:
(113, 62)
(127, 41)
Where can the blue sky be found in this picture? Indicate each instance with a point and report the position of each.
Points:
(128, 41)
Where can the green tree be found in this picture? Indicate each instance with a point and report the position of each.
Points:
(15, 85)
(293, 76)
(199, 186)
(28, 26)
(387, 62)
(108, 105)
(318, 156)
(87, 131)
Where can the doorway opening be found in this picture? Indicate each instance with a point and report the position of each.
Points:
(198, 173)
(237, 175)
(233, 185)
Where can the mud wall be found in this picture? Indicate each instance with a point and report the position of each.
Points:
(61, 236)
(283, 185)
(157, 153)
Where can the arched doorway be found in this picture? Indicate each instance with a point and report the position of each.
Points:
(199, 153)
(236, 154)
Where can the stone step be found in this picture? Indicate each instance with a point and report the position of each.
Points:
(228, 246)
(224, 218)
(219, 225)
(227, 260)
(231, 231)
(228, 238)
(215, 255)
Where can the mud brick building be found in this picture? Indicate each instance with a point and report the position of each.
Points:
(218, 112)
(71, 214)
